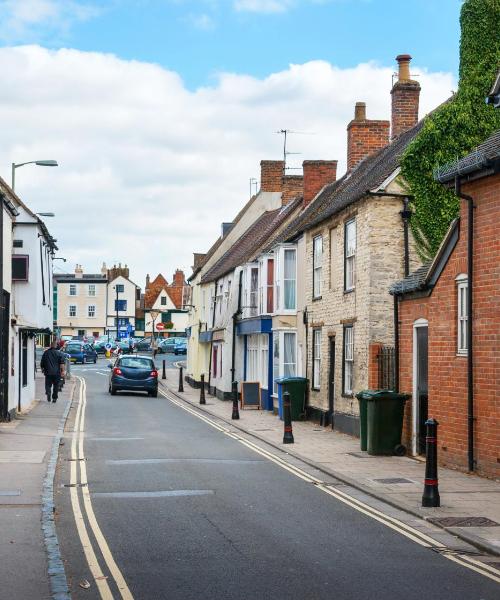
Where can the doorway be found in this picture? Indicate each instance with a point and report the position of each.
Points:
(331, 381)
(420, 384)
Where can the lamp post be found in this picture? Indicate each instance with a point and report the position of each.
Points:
(40, 163)
(154, 315)
(116, 311)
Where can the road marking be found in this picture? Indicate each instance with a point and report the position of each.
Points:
(157, 494)
(157, 461)
(113, 439)
(410, 532)
(77, 459)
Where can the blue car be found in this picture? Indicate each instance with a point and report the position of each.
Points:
(180, 347)
(134, 373)
(80, 352)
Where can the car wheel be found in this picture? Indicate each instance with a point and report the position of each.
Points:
(95, 360)
(153, 394)
(112, 391)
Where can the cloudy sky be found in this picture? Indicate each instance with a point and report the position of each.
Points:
(159, 111)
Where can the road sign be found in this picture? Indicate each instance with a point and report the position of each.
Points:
(160, 326)
(108, 346)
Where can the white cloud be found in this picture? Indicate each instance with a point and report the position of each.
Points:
(148, 169)
(203, 22)
(263, 6)
(31, 20)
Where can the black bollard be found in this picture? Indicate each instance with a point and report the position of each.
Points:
(236, 413)
(430, 497)
(164, 373)
(181, 381)
(287, 418)
(202, 390)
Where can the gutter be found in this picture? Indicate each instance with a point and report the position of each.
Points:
(470, 355)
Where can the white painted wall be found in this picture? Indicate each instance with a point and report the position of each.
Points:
(128, 294)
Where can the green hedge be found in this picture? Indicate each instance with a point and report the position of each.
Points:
(456, 127)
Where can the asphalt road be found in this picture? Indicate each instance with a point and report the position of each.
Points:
(190, 513)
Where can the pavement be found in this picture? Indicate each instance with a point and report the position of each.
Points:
(27, 542)
(397, 481)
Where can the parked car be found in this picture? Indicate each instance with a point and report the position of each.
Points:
(134, 373)
(168, 344)
(80, 352)
(143, 344)
(180, 347)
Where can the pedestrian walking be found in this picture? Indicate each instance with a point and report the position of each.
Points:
(52, 365)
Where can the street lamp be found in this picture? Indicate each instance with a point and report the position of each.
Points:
(116, 310)
(40, 163)
(46, 214)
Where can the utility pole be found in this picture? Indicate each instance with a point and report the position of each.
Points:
(116, 310)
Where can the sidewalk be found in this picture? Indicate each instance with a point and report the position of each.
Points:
(395, 480)
(28, 450)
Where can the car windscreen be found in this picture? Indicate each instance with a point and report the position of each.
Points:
(136, 362)
(73, 348)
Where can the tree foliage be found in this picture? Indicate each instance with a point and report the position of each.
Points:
(456, 127)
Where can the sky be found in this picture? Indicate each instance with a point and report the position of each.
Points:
(159, 111)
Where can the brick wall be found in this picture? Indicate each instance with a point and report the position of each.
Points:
(293, 186)
(405, 96)
(364, 136)
(271, 175)
(447, 370)
(317, 173)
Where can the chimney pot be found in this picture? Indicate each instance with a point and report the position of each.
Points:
(405, 99)
(360, 111)
(404, 66)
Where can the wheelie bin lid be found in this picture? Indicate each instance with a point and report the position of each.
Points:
(381, 395)
(292, 380)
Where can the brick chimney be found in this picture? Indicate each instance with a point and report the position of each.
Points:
(271, 175)
(293, 186)
(364, 137)
(78, 272)
(317, 173)
(148, 281)
(405, 98)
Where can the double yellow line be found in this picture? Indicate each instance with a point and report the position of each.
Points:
(78, 480)
(402, 528)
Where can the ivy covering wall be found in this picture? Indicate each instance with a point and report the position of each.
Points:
(456, 127)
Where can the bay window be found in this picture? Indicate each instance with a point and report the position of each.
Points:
(257, 359)
(254, 291)
(286, 279)
(349, 255)
(317, 266)
(266, 300)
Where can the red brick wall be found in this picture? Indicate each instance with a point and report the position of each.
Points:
(293, 186)
(317, 173)
(447, 371)
(271, 175)
(365, 137)
(405, 100)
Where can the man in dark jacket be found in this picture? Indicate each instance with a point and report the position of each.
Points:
(52, 364)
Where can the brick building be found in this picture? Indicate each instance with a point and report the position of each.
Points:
(454, 376)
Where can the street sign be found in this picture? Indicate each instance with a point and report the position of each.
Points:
(160, 326)
(108, 346)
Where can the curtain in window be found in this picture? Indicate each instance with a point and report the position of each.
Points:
(289, 279)
(289, 355)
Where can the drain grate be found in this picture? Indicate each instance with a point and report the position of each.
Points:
(464, 522)
(74, 485)
(390, 480)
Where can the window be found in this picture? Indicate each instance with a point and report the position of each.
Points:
(254, 292)
(286, 279)
(228, 291)
(317, 265)
(270, 285)
(120, 305)
(257, 359)
(91, 311)
(214, 360)
(72, 289)
(266, 300)
(219, 297)
(163, 300)
(72, 310)
(348, 359)
(349, 255)
(284, 356)
(289, 355)
(91, 289)
(316, 349)
(81, 332)
(20, 267)
(120, 288)
(462, 313)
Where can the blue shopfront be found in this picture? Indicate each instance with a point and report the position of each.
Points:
(257, 360)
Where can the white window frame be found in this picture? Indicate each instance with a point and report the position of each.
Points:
(70, 306)
(278, 361)
(350, 255)
(253, 292)
(462, 315)
(73, 287)
(91, 290)
(279, 277)
(348, 361)
(89, 311)
(317, 266)
(264, 286)
(257, 359)
(316, 348)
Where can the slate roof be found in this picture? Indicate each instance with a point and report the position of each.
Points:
(414, 282)
(482, 157)
(71, 277)
(247, 246)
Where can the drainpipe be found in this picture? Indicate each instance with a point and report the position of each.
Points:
(396, 343)
(470, 363)
(211, 340)
(406, 214)
(235, 319)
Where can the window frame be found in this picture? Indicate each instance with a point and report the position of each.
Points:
(350, 256)
(70, 306)
(120, 288)
(71, 287)
(316, 358)
(345, 360)
(317, 268)
(462, 315)
(278, 363)
(94, 311)
(91, 288)
(279, 277)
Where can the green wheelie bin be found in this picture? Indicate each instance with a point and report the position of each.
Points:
(384, 418)
(296, 387)
(363, 427)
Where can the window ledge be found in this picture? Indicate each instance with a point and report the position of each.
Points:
(344, 395)
(315, 298)
(315, 389)
(350, 291)
(462, 354)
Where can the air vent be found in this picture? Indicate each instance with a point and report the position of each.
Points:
(18, 243)
(20, 267)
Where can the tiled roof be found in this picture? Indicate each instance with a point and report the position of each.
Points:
(247, 246)
(414, 282)
(480, 158)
